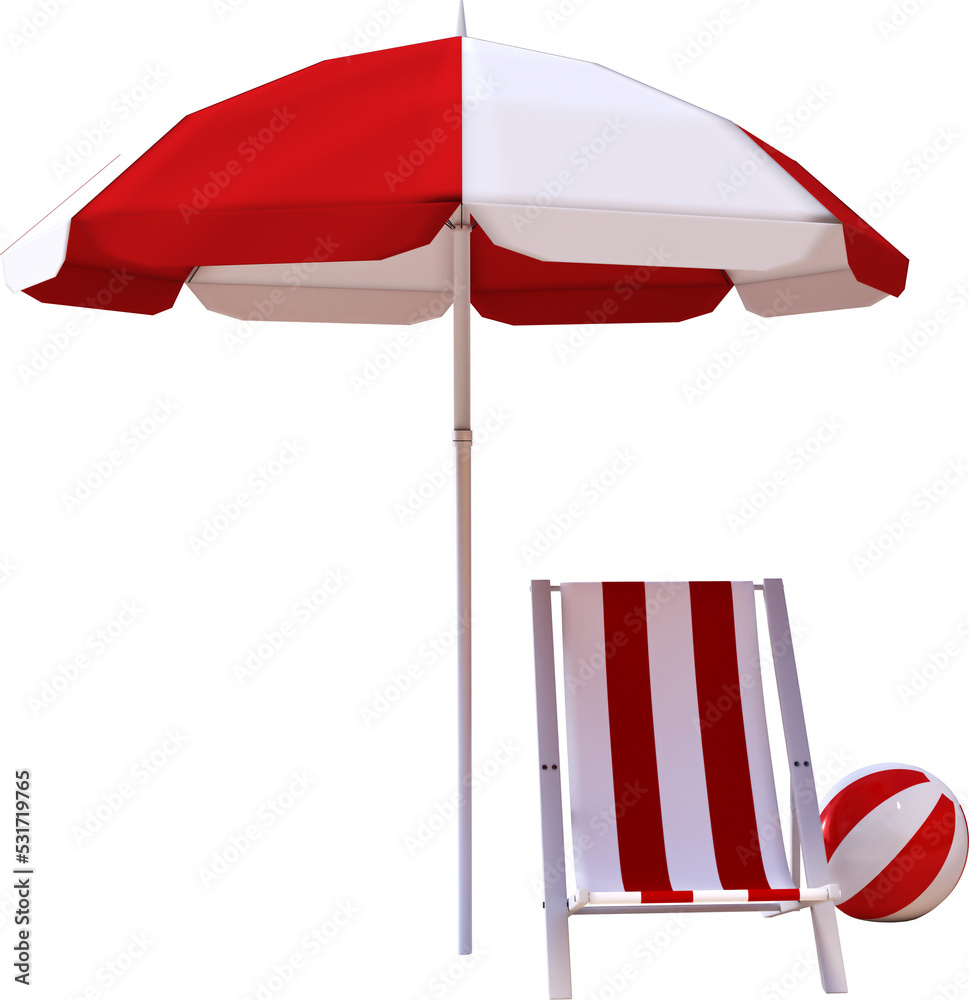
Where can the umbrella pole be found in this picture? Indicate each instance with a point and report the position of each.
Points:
(462, 455)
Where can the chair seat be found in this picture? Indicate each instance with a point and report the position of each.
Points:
(822, 894)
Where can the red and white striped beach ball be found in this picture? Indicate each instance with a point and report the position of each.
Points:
(896, 841)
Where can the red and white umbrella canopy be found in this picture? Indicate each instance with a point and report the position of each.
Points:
(326, 196)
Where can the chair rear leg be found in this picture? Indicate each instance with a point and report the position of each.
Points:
(828, 944)
(550, 785)
(557, 938)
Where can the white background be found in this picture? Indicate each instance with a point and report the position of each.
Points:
(881, 98)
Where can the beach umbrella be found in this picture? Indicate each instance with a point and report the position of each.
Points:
(390, 186)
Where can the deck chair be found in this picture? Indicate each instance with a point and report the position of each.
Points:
(671, 787)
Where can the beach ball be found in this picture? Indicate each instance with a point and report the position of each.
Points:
(896, 841)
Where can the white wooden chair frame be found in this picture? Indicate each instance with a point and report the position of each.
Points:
(806, 837)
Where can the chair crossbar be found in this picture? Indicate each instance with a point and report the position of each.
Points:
(726, 899)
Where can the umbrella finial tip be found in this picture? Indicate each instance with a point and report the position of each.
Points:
(462, 24)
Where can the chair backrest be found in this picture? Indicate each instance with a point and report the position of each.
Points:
(670, 776)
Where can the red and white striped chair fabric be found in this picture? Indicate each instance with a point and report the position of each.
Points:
(670, 775)
(671, 785)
